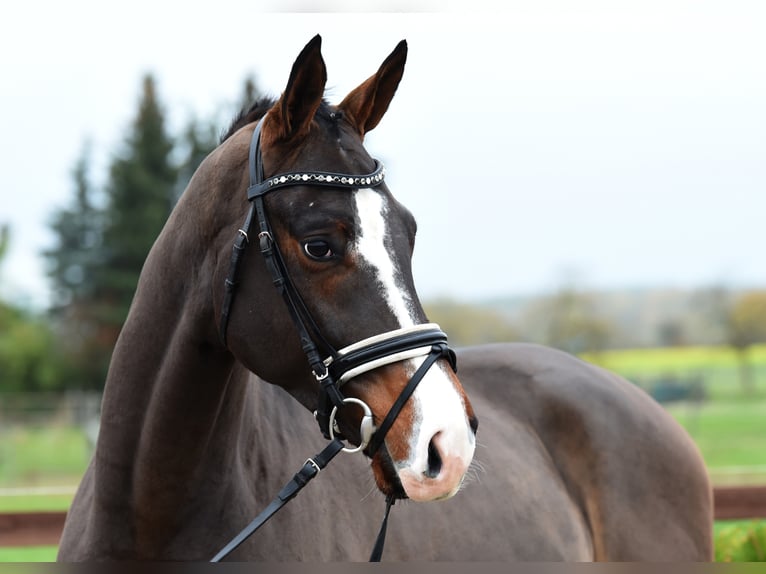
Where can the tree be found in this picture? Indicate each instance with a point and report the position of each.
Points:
(77, 229)
(250, 93)
(28, 357)
(5, 234)
(140, 194)
(670, 332)
(746, 326)
(101, 245)
(73, 263)
(568, 320)
(197, 141)
(710, 308)
(200, 137)
(467, 324)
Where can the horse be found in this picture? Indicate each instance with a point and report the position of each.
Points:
(229, 346)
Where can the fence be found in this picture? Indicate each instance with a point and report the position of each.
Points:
(73, 408)
(44, 528)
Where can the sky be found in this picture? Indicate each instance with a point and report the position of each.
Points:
(612, 144)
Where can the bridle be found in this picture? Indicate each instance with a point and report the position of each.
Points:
(339, 366)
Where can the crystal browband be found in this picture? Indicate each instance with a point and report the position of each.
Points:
(318, 178)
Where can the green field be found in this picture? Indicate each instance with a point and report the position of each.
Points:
(716, 367)
(42, 455)
(29, 554)
(731, 436)
(729, 424)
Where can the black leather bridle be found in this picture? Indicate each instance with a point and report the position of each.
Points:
(339, 366)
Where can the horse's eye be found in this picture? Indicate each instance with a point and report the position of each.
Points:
(318, 249)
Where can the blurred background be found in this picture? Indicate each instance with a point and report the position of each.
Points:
(588, 176)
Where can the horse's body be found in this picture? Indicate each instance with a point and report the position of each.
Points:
(572, 462)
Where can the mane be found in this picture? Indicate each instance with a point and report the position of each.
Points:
(248, 115)
(257, 110)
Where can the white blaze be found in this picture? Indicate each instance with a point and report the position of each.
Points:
(438, 406)
(371, 245)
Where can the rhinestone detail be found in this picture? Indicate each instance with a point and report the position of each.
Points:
(327, 178)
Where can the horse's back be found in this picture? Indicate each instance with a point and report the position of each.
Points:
(633, 473)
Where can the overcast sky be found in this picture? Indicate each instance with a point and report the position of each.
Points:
(619, 143)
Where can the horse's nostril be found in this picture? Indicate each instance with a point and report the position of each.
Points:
(434, 461)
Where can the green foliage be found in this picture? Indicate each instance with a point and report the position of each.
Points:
(469, 324)
(104, 235)
(140, 195)
(747, 320)
(28, 359)
(746, 326)
(77, 229)
(196, 142)
(740, 541)
(28, 356)
(73, 263)
(569, 320)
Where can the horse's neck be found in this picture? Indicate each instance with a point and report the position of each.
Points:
(172, 403)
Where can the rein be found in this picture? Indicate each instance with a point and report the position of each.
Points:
(338, 367)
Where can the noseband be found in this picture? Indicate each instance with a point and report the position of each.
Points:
(338, 367)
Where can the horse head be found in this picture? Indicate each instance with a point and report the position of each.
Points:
(343, 252)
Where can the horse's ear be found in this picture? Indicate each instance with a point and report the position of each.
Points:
(367, 103)
(291, 116)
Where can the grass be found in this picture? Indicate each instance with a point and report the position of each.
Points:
(35, 502)
(740, 541)
(41, 456)
(716, 367)
(29, 554)
(729, 434)
(729, 426)
(673, 358)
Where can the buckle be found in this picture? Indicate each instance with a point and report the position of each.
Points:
(313, 463)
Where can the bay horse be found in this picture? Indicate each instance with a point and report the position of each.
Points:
(226, 352)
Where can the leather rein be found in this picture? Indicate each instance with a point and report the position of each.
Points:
(339, 366)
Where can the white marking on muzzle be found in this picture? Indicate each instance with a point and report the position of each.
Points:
(439, 408)
(439, 412)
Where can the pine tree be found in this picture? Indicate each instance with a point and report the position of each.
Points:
(250, 93)
(197, 141)
(199, 137)
(72, 264)
(140, 195)
(77, 229)
(95, 265)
